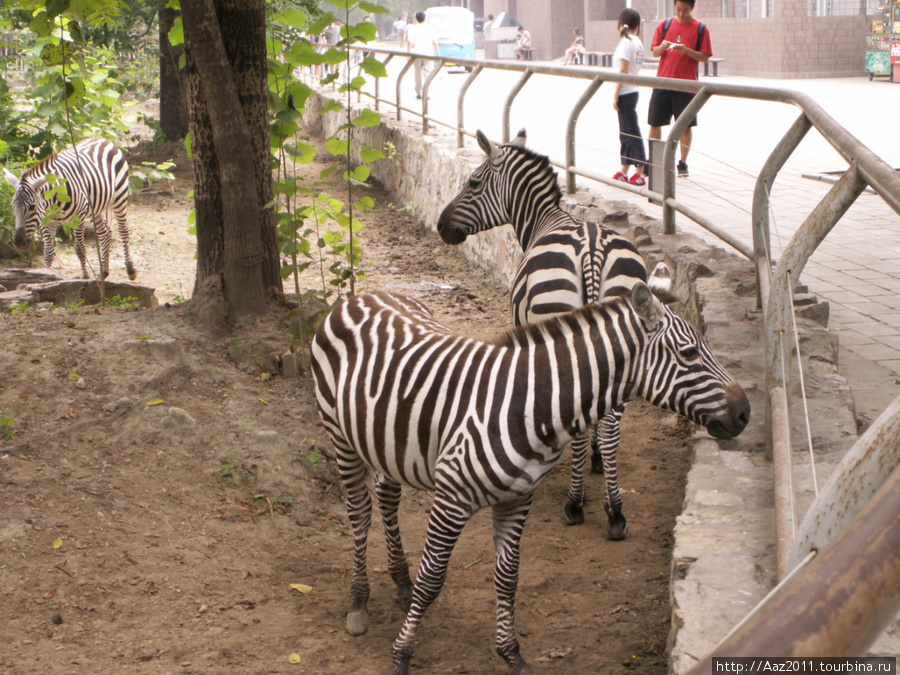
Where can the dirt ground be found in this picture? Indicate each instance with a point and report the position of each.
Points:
(158, 496)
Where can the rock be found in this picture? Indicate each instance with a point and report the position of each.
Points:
(162, 348)
(12, 278)
(178, 418)
(70, 290)
(80, 383)
(820, 313)
(289, 365)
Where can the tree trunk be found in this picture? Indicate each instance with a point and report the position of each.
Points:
(230, 144)
(173, 91)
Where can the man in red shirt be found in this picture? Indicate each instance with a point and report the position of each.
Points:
(678, 58)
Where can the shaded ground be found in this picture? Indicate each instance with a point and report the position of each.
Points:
(186, 492)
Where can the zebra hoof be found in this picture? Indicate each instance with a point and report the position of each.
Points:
(401, 667)
(617, 526)
(573, 514)
(132, 274)
(517, 665)
(357, 622)
(596, 464)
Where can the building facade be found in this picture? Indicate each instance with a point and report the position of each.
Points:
(757, 38)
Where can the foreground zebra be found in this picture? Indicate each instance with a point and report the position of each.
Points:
(567, 264)
(96, 174)
(482, 422)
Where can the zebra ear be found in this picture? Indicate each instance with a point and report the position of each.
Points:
(519, 140)
(10, 178)
(648, 308)
(38, 184)
(485, 143)
(660, 279)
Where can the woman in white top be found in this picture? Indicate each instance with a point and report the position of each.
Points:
(628, 58)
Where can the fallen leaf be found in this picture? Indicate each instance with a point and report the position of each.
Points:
(303, 588)
(263, 401)
(143, 337)
(156, 401)
(264, 376)
(294, 658)
(58, 542)
(49, 594)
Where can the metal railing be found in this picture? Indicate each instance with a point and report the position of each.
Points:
(775, 283)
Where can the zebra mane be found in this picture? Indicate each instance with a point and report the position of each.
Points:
(38, 168)
(552, 327)
(543, 164)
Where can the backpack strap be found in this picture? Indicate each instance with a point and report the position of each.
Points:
(666, 25)
(701, 29)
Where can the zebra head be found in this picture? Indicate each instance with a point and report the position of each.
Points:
(28, 206)
(504, 189)
(679, 371)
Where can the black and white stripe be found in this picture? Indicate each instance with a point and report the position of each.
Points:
(481, 423)
(567, 263)
(96, 174)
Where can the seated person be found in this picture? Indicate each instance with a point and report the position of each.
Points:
(575, 49)
(523, 42)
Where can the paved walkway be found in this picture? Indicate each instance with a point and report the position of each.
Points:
(857, 268)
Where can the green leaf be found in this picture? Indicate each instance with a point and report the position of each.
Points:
(176, 33)
(326, 172)
(293, 18)
(336, 146)
(368, 118)
(335, 56)
(365, 203)
(52, 55)
(187, 144)
(374, 67)
(364, 31)
(331, 106)
(370, 154)
(372, 8)
(303, 153)
(362, 172)
(316, 27)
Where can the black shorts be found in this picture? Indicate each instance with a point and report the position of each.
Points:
(666, 103)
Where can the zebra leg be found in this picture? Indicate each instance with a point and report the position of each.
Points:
(388, 493)
(79, 250)
(608, 442)
(444, 527)
(124, 236)
(573, 511)
(359, 509)
(104, 237)
(606, 437)
(48, 234)
(509, 522)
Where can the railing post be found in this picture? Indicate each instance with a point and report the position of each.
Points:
(378, 82)
(681, 124)
(583, 100)
(460, 127)
(427, 83)
(403, 71)
(777, 314)
(509, 101)
(760, 217)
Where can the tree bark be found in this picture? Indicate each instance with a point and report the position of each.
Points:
(173, 90)
(229, 134)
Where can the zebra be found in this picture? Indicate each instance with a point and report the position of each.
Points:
(470, 420)
(567, 263)
(96, 174)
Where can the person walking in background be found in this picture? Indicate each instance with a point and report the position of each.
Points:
(680, 43)
(421, 38)
(628, 59)
(576, 48)
(523, 42)
(400, 29)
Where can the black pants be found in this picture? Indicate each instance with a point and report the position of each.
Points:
(632, 150)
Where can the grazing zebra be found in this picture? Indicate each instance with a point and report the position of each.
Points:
(472, 421)
(567, 264)
(96, 174)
